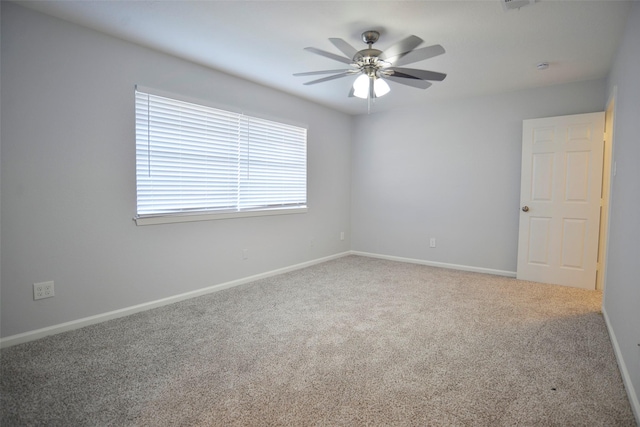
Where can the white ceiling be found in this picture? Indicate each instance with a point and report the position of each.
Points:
(488, 50)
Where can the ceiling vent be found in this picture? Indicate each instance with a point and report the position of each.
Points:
(508, 5)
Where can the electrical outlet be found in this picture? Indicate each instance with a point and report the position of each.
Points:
(432, 242)
(342, 235)
(43, 290)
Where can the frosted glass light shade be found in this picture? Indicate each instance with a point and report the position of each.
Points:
(361, 86)
(380, 87)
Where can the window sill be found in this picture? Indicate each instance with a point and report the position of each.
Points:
(183, 217)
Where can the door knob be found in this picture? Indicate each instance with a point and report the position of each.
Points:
(525, 209)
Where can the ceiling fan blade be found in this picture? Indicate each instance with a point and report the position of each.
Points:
(326, 79)
(417, 55)
(329, 55)
(403, 47)
(420, 84)
(412, 73)
(344, 47)
(315, 73)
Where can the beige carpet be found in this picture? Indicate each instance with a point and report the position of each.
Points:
(351, 342)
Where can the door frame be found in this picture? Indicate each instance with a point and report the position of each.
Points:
(607, 189)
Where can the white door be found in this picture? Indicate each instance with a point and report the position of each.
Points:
(560, 199)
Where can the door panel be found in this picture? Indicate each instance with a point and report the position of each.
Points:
(560, 186)
(577, 177)
(539, 233)
(574, 231)
(542, 177)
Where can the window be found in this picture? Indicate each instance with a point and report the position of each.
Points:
(196, 162)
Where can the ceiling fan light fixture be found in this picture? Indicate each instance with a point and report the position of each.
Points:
(362, 85)
(373, 67)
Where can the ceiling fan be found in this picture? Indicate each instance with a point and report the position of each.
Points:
(374, 66)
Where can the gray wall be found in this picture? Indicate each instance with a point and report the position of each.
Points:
(622, 290)
(451, 171)
(68, 178)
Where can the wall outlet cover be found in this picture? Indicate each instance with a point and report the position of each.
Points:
(43, 290)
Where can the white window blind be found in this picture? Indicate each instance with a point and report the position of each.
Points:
(194, 159)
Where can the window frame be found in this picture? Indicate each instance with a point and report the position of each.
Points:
(216, 214)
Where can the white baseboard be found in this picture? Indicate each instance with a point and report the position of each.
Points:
(439, 264)
(626, 378)
(86, 321)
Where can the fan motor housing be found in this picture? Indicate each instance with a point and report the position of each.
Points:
(367, 53)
